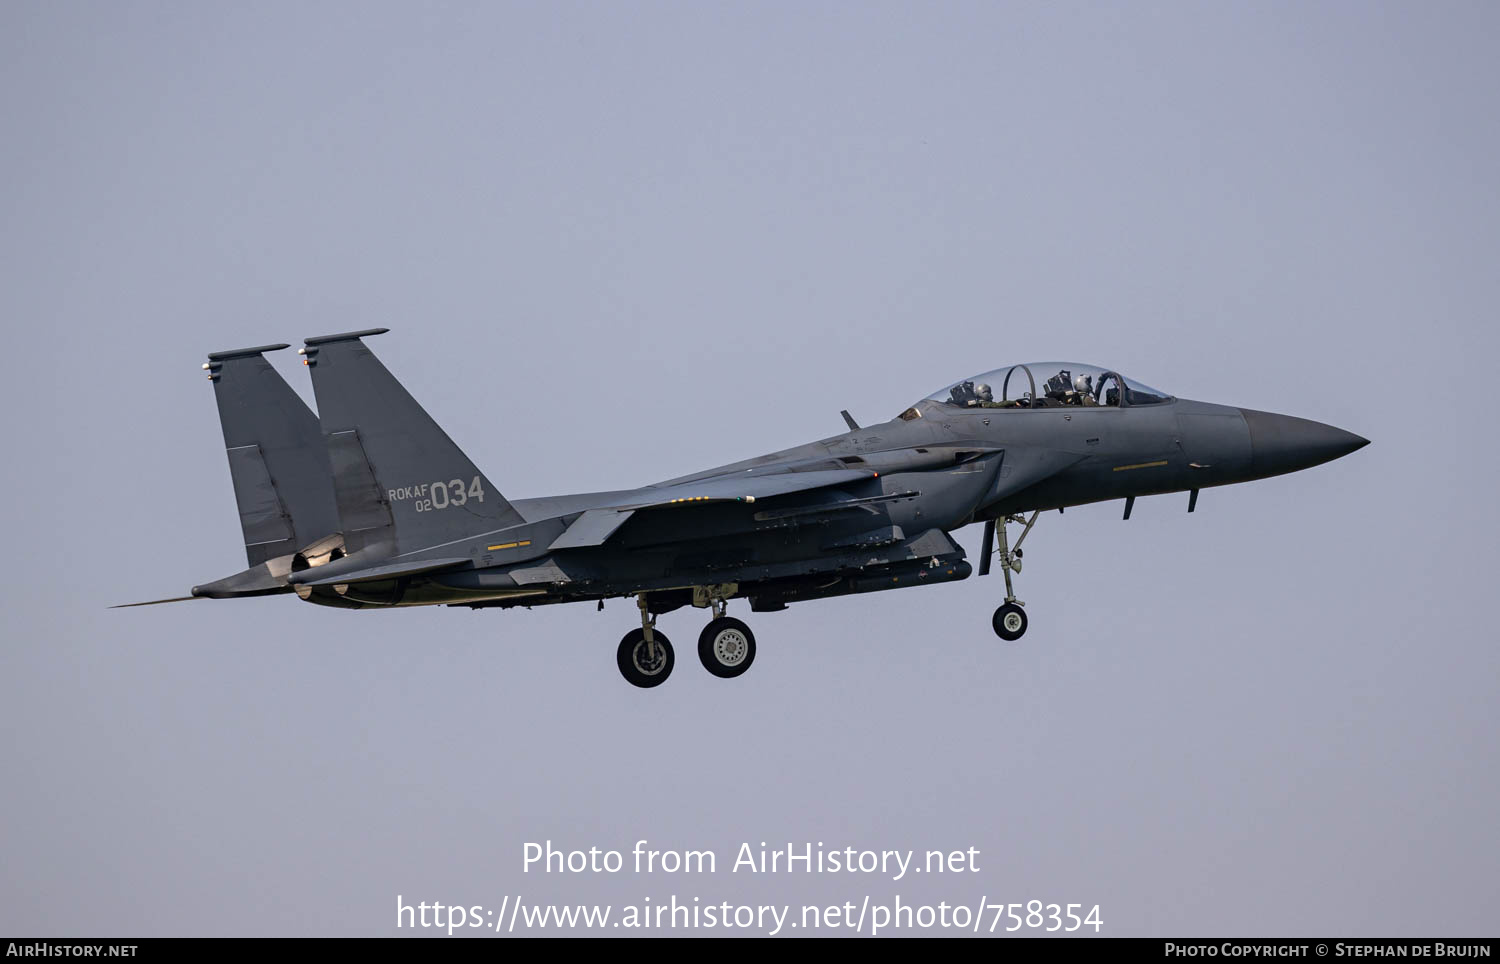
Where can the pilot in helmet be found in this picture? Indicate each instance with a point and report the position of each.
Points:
(984, 397)
(1083, 385)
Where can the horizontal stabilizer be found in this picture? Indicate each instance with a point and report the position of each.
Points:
(266, 579)
(394, 570)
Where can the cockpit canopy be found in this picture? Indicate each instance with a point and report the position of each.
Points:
(1044, 385)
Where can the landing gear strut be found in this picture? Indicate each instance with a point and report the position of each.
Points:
(1009, 621)
(645, 655)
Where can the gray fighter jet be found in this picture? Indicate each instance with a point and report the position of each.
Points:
(368, 503)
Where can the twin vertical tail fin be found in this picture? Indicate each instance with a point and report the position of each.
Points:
(372, 471)
(276, 456)
(399, 482)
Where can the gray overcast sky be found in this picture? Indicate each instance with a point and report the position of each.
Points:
(621, 242)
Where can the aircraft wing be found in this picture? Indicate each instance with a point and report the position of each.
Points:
(594, 527)
(749, 488)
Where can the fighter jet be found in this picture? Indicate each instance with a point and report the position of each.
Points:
(369, 504)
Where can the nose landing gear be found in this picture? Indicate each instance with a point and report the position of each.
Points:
(1009, 621)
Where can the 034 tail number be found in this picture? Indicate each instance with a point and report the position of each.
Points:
(434, 496)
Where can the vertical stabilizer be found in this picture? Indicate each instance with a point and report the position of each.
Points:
(276, 455)
(398, 478)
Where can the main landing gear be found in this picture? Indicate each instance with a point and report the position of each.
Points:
(645, 655)
(1009, 621)
(726, 647)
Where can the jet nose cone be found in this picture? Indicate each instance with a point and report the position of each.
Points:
(1284, 443)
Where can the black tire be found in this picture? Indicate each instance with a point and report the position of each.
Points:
(1009, 622)
(631, 657)
(726, 647)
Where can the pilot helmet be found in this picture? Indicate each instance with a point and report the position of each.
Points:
(1083, 384)
(984, 393)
